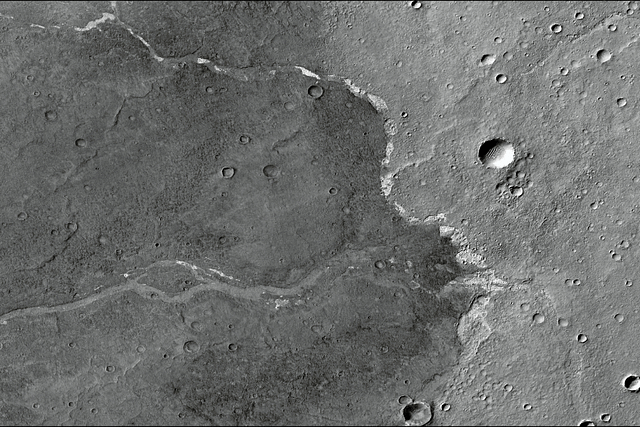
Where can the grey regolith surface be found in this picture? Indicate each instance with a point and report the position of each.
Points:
(275, 213)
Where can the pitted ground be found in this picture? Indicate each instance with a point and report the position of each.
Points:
(559, 103)
(579, 207)
(148, 185)
(117, 162)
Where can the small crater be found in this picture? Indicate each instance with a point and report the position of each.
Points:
(417, 413)
(487, 59)
(315, 91)
(228, 172)
(496, 153)
(631, 383)
(517, 191)
(603, 55)
(404, 400)
(538, 318)
(271, 171)
(191, 347)
(556, 28)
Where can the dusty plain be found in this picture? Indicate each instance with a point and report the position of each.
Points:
(274, 213)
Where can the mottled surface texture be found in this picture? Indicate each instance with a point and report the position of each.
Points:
(274, 213)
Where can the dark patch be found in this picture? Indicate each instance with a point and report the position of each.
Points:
(374, 338)
(235, 34)
(17, 415)
(147, 186)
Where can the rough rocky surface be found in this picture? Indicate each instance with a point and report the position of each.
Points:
(274, 213)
